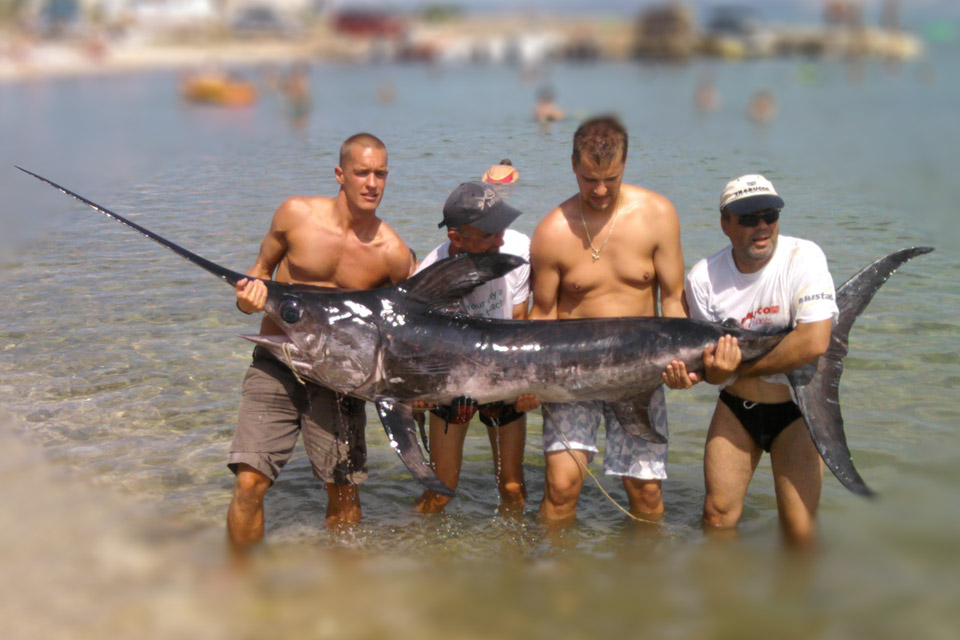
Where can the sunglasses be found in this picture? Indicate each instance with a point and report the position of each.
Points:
(487, 237)
(753, 219)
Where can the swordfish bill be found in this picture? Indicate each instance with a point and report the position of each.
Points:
(228, 276)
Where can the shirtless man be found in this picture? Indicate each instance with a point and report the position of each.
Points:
(546, 110)
(767, 282)
(604, 252)
(337, 242)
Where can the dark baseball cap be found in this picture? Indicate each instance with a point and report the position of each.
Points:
(480, 206)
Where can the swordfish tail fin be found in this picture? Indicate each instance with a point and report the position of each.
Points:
(228, 276)
(817, 385)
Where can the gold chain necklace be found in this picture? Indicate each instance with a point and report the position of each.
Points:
(616, 212)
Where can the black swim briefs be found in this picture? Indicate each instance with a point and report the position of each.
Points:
(492, 414)
(763, 422)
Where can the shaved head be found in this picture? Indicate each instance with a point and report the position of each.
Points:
(365, 140)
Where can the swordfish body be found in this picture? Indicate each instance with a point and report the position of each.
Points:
(393, 345)
(397, 345)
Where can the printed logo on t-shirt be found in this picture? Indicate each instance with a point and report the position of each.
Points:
(486, 308)
(814, 298)
(760, 316)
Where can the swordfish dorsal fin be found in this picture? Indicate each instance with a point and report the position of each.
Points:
(228, 276)
(444, 283)
(817, 385)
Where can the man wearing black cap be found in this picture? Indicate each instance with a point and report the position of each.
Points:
(477, 218)
(766, 282)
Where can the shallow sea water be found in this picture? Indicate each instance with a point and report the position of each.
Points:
(120, 367)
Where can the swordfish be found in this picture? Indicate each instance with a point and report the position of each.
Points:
(398, 345)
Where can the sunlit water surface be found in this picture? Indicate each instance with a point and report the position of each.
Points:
(120, 368)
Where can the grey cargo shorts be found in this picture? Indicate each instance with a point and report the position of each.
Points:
(275, 408)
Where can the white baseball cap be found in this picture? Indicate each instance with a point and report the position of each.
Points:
(748, 194)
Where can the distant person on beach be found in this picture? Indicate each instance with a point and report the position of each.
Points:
(95, 46)
(604, 252)
(386, 92)
(502, 173)
(476, 218)
(546, 109)
(767, 282)
(337, 242)
(707, 98)
(762, 107)
(296, 92)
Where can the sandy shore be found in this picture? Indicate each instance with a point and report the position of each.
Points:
(60, 60)
(612, 39)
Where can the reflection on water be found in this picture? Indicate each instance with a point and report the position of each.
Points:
(120, 371)
(112, 563)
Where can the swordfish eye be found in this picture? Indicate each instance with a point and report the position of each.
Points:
(290, 311)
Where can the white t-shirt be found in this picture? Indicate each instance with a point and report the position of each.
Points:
(795, 286)
(494, 299)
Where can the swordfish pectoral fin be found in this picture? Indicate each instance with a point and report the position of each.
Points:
(401, 428)
(641, 415)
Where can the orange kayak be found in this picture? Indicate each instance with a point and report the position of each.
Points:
(219, 91)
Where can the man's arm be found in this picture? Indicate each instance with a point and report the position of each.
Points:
(807, 342)
(544, 274)
(803, 345)
(252, 293)
(401, 261)
(521, 310)
(668, 264)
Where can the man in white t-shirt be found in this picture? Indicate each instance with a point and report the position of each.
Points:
(765, 282)
(477, 218)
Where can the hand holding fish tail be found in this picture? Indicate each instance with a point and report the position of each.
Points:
(251, 295)
(720, 361)
(526, 402)
(676, 376)
(460, 411)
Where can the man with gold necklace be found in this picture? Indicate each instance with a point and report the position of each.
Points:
(605, 252)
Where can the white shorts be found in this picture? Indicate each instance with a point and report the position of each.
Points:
(626, 455)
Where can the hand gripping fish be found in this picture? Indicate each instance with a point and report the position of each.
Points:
(397, 345)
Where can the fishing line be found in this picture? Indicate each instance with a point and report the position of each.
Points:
(596, 481)
(285, 347)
